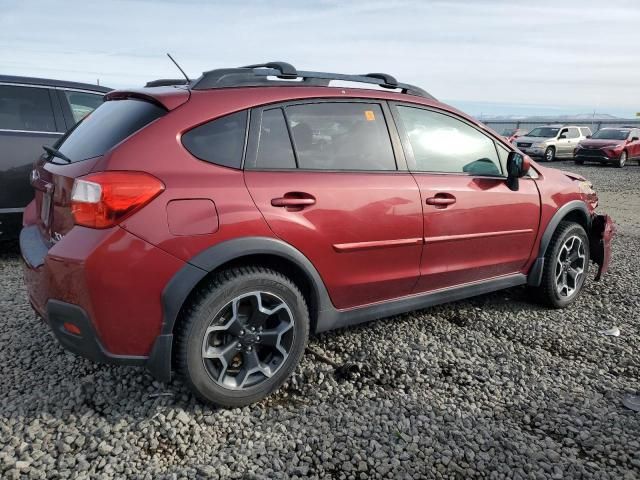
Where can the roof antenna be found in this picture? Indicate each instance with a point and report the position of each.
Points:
(181, 70)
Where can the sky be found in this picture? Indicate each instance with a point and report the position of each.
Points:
(486, 57)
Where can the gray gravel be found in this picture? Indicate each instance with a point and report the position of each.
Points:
(493, 387)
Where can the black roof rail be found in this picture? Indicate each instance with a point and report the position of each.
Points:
(286, 69)
(389, 81)
(166, 82)
(286, 74)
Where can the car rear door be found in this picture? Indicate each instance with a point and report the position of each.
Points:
(561, 142)
(29, 119)
(330, 181)
(475, 227)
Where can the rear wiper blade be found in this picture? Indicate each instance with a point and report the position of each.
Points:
(56, 153)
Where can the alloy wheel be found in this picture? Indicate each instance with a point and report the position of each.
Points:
(549, 154)
(570, 266)
(623, 159)
(248, 340)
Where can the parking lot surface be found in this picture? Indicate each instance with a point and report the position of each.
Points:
(492, 387)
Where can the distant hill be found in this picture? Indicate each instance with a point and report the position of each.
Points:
(559, 118)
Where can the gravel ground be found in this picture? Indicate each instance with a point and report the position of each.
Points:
(493, 387)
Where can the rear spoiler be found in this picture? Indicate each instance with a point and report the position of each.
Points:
(165, 97)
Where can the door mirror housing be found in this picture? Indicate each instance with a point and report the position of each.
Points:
(634, 139)
(588, 136)
(517, 167)
(562, 136)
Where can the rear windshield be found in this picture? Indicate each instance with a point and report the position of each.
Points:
(106, 126)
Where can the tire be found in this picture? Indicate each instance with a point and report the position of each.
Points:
(549, 291)
(550, 154)
(622, 160)
(235, 343)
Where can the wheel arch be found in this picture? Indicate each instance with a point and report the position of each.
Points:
(575, 211)
(264, 251)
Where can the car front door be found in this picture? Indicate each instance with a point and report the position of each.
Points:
(28, 121)
(475, 227)
(562, 142)
(340, 195)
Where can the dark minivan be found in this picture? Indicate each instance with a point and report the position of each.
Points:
(34, 112)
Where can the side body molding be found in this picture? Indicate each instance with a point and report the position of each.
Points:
(328, 317)
(535, 274)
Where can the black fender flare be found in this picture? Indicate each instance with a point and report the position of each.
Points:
(535, 274)
(187, 278)
(183, 282)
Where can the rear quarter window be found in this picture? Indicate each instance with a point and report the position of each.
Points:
(108, 125)
(220, 141)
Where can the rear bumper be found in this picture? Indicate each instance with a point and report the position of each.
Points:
(59, 315)
(106, 285)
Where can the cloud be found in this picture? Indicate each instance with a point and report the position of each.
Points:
(574, 52)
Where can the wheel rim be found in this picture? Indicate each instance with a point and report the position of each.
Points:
(248, 340)
(570, 266)
(549, 154)
(623, 158)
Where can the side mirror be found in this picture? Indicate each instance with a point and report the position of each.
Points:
(517, 166)
(588, 136)
(562, 136)
(634, 139)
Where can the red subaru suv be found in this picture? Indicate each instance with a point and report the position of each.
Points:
(209, 227)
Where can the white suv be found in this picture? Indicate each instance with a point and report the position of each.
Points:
(552, 141)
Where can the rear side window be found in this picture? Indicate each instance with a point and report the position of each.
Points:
(573, 133)
(108, 125)
(341, 136)
(274, 144)
(441, 143)
(26, 108)
(220, 141)
(585, 131)
(82, 104)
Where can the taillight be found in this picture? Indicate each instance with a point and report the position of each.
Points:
(101, 200)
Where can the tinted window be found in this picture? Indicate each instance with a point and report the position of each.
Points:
(341, 136)
(26, 108)
(108, 125)
(611, 134)
(220, 141)
(274, 145)
(573, 133)
(543, 132)
(441, 143)
(82, 104)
